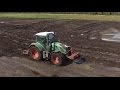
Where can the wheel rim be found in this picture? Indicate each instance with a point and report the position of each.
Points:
(35, 54)
(56, 60)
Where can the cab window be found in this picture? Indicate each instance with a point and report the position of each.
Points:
(52, 38)
(41, 39)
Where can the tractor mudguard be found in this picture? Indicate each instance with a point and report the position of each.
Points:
(38, 45)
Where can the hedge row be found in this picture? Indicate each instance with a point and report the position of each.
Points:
(95, 13)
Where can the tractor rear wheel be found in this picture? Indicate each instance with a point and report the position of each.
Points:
(35, 54)
(57, 59)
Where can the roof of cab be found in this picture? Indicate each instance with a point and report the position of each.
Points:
(43, 33)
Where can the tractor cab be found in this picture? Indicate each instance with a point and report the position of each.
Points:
(46, 40)
(45, 37)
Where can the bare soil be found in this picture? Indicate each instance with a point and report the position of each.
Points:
(85, 36)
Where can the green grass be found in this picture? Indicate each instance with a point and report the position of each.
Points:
(27, 15)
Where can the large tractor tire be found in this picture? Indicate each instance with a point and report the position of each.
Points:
(35, 54)
(57, 59)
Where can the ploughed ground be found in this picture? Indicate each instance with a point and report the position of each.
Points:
(93, 39)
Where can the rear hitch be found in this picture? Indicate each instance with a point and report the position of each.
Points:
(76, 58)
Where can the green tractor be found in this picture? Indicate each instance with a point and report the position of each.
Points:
(46, 46)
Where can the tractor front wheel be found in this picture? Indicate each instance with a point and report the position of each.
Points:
(35, 53)
(57, 59)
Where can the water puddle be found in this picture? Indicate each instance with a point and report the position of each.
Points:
(112, 35)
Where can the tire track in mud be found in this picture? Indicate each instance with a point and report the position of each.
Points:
(31, 68)
(91, 28)
(90, 25)
(15, 66)
(105, 58)
(19, 36)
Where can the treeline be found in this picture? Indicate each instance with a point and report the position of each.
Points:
(93, 13)
(102, 13)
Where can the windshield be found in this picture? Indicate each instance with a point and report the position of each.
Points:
(54, 39)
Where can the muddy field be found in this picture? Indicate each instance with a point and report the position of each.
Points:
(85, 36)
